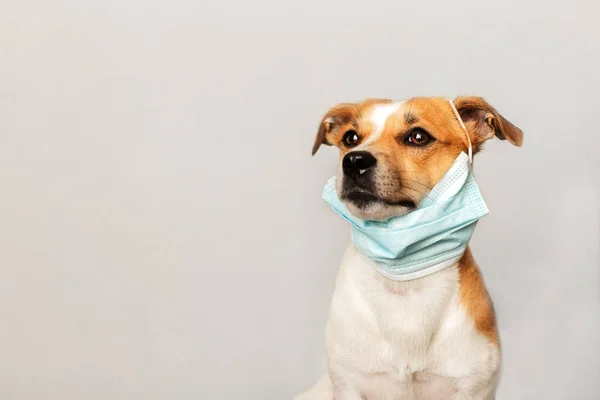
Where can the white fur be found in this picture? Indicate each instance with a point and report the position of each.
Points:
(378, 117)
(389, 340)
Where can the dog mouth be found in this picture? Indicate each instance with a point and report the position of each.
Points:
(362, 199)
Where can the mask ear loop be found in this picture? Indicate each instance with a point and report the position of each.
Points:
(462, 125)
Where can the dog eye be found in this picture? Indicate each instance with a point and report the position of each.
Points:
(350, 138)
(418, 137)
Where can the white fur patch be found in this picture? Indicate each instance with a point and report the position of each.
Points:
(379, 117)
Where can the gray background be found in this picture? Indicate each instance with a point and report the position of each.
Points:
(163, 235)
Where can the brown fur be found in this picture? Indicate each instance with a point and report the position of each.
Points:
(475, 298)
(340, 119)
(483, 121)
(418, 169)
(410, 173)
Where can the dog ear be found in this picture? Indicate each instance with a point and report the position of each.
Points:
(331, 123)
(483, 122)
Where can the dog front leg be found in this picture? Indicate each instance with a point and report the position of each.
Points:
(470, 390)
(344, 387)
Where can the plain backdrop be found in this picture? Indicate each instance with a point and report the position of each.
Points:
(163, 235)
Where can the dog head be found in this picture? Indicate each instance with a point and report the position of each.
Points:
(393, 153)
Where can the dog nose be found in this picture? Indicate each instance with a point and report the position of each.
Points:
(357, 163)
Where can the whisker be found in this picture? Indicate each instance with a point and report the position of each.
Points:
(422, 184)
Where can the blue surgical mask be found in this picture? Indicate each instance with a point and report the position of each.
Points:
(428, 239)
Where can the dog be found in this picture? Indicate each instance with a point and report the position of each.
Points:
(433, 337)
